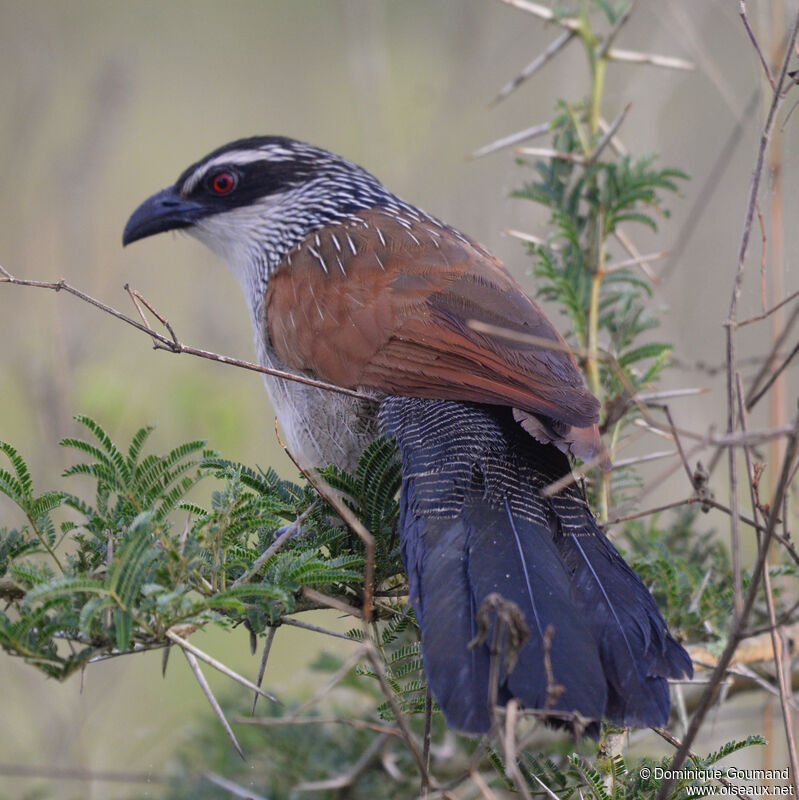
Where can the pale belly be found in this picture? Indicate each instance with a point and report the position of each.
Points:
(321, 427)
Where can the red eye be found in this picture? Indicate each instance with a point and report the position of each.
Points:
(223, 182)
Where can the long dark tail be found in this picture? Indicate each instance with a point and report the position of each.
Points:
(473, 523)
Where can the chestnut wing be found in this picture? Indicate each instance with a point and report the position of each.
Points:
(383, 301)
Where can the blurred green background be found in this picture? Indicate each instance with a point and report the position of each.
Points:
(103, 103)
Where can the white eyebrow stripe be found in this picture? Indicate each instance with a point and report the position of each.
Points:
(236, 157)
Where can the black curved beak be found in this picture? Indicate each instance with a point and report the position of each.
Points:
(166, 210)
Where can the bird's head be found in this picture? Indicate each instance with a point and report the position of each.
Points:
(252, 200)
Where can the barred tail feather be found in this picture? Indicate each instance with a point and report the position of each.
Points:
(473, 523)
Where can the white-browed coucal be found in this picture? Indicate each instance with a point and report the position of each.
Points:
(349, 284)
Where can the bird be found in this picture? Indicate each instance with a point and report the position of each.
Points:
(349, 284)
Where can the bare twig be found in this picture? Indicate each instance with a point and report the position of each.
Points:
(688, 471)
(730, 440)
(511, 139)
(542, 12)
(331, 602)
(55, 772)
(328, 685)
(509, 745)
(483, 787)
(615, 30)
(631, 262)
(427, 737)
(770, 311)
(755, 44)
(313, 720)
(763, 251)
(773, 377)
(767, 362)
(315, 628)
(269, 639)
(613, 54)
(348, 778)
(198, 674)
(633, 252)
(171, 343)
(548, 152)
(608, 135)
(192, 649)
(629, 462)
(676, 504)
(530, 238)
(667, 62)
(231, 786)
(551, 50)
(618, 146)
